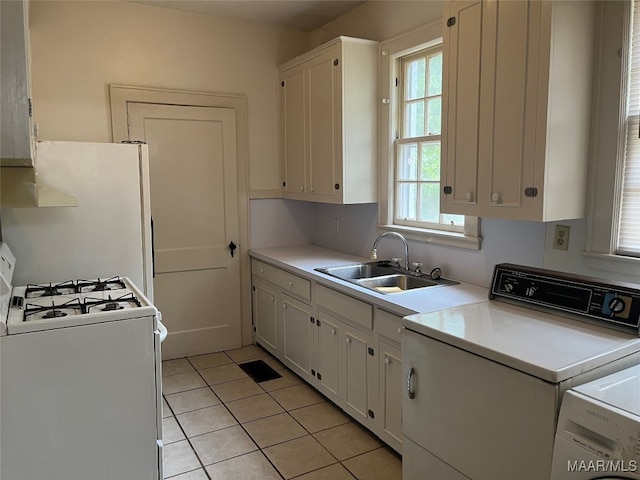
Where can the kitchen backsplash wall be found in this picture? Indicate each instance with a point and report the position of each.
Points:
(289, 222)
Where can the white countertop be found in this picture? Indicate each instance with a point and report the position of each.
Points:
(544, 345)
(303, 260)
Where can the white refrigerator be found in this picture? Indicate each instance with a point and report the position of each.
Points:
(109, 233)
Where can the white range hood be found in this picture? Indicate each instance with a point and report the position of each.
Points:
(19, 187)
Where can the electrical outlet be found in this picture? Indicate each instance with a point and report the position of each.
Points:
(561, 238)
(336, 226)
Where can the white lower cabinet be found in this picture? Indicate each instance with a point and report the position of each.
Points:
(330, 332)
(390, 392)
(299, 334)
(359, 380)
(264, 314)
(346, 348)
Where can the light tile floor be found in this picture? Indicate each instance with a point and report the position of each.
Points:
(221, 425)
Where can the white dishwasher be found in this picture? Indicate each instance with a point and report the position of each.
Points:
(485, 381)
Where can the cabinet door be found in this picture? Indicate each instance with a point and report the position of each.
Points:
(293, 131)
(299, 335)
(15, 88)
(390, 389)
(510, 54)
(323, 124)
(359, 383)
(461, 106)
(265, 314)
(328, 374)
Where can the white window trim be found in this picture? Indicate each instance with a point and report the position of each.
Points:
(390, 50)
(608, 141)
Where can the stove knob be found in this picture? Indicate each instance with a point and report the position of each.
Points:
(531, 291)
(616, 305)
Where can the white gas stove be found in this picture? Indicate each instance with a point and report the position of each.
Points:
(75, 302)
(90, 351)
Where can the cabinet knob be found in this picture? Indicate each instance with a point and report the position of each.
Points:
(399, 329)
(291, 284)
(387, 360)
(333, 331)
(312, 189)
(348, 340)
(262, 270)
(273, 298)
(302, 189)
(469, 196)
(495, 198)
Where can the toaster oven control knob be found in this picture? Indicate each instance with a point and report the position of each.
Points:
(508, 286)
(616, 305)
(531, 291)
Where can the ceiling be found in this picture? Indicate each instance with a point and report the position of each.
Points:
(305, 15)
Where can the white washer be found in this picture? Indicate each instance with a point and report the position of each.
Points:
(484, 382)
(598, 433)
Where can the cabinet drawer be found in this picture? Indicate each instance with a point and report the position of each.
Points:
(347, 307)
(388, 324)
(287, 281)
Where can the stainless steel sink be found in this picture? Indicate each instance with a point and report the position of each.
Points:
(395, 283)
(383, 277)
(358, 270)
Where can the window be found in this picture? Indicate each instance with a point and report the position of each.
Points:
(417, 152)
(629, 223)
(610, 214)
(410, 116)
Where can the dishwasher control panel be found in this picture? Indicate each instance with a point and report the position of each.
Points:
(615, 304)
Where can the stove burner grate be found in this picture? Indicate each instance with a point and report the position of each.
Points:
(50, 290)
(40, 312)
(100, 285)
(111, 304)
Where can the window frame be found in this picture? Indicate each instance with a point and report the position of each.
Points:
(607, 160)
(391, 50)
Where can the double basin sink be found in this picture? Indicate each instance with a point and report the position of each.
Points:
(383, 277)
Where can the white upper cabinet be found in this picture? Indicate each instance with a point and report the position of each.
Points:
(15, 109)
(328, 123)
(517, 105)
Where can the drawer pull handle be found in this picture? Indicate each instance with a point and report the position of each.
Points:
(410, 391)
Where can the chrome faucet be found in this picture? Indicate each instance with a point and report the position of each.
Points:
(374, 251)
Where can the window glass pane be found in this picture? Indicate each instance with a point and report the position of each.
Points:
(408, 162)
(414, 119)
(406, 201)
(435, 75)
(430, 161)
(415, 79)
(434, 106)
(430, 202)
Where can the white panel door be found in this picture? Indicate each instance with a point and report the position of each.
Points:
(194, 206)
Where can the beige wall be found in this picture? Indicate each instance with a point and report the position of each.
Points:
(78, 48)
(381, 20)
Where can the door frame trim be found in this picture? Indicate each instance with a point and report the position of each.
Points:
(121, 95)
